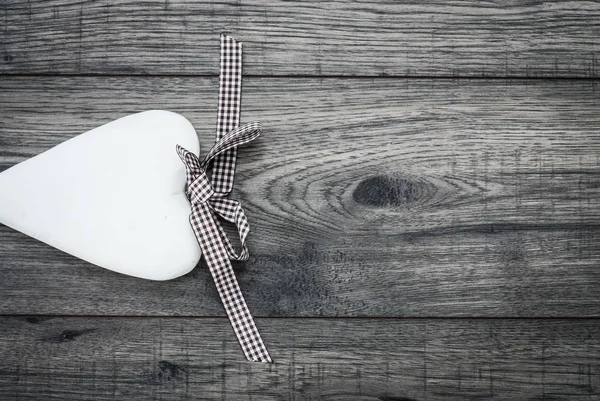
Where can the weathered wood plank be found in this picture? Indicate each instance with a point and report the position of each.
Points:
(315, 359)
(366, 197)
(414, 38)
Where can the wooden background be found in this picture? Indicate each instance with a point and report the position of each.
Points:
(424, 200)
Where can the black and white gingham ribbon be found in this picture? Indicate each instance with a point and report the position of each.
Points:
(209, 199)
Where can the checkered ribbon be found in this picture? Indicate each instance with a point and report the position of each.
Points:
(209, 200)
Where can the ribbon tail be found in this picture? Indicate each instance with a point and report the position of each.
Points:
(215, 254)
(228, 112)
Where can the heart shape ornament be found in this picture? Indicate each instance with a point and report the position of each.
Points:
(132, 196)
(113, 196)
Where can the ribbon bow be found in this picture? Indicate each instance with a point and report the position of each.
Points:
(206, 202)
(208, 198)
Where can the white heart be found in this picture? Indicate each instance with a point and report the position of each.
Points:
(113, 196)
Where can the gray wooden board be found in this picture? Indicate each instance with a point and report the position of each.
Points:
(315, 359)
(366, 197)
(414, 38)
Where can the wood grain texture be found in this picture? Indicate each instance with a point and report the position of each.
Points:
(366, 197)
(407, 38)
(315, 359)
